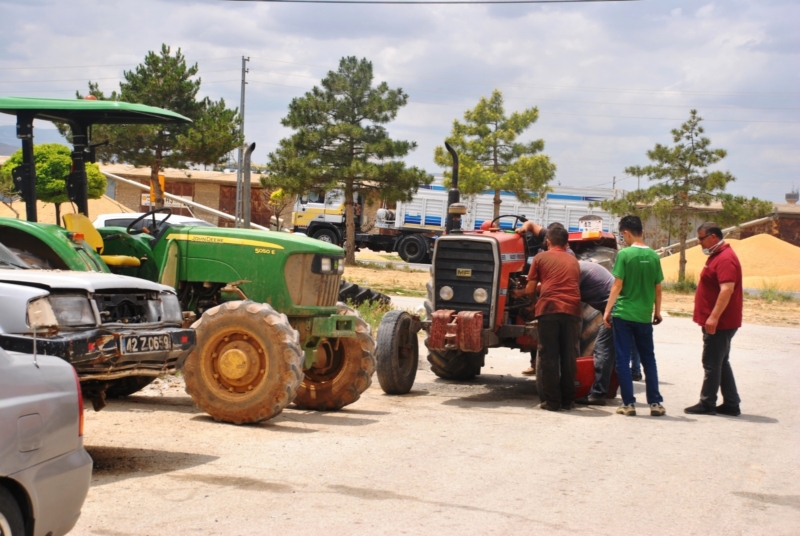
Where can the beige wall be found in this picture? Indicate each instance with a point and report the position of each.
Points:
(208, 195)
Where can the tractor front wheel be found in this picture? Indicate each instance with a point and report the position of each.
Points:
(247, 364)
(454, 365)
(397, 353)
(344, 369)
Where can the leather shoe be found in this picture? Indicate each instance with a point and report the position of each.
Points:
(530, 371)
(700, 409)
(732, 411)
(548, 406)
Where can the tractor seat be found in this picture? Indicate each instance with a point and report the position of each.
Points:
(78, 223)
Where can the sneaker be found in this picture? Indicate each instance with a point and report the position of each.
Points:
(636, 376)
(657, 410)
(731, 411)
(628, 410)
(700, 409)
(530, 371)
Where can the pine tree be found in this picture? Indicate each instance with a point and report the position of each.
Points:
(685, 187)
(489, 156)
(340, 143)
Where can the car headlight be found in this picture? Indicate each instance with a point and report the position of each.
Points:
(327, 265)
(40, 314)
(480, 295)
(171, 308)
(446, 293)
(73, 310)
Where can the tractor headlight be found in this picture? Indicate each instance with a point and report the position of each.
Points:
(327, 265)
(40, 314)
(73, 310)
(171, 308)
(446, 293)
(480, 295)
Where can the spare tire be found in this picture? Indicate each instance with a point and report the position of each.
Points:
(356, 295)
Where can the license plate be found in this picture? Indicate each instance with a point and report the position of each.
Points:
(135, 344)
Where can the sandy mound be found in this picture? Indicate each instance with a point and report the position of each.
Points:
(767, 262)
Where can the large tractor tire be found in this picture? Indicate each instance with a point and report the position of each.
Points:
(413, 248)
(346, 373)
(356, 295)
(247, 364)
(127, 386)
(454, 365)
(397, 353)
(592, 319)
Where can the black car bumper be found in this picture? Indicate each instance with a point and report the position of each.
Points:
(104, 354)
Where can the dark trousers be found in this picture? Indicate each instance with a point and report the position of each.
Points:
(604, 358)
(555, 366)
(627, 334)
(718, 372)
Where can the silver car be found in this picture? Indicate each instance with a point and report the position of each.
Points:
(44, 469)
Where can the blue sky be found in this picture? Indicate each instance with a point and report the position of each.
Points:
(610, 80)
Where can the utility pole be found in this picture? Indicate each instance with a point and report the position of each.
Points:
(613, 183)
(240, 169)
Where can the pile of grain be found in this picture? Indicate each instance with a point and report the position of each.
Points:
(767, 262)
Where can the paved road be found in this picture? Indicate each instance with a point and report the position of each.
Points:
(465, 458)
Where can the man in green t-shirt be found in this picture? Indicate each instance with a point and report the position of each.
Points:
(634, 306)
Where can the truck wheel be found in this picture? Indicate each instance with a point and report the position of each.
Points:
(326, 235)
(397, 353)
(11, 521)
(592, 318)
(127, 386)
(413, 248)
(356, 295)
(247, 364)
(454, 365)
(346, 373)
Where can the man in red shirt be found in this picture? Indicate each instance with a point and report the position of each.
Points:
(558, 312)
(718, 310)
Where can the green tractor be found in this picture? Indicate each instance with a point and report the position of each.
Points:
(269, 328)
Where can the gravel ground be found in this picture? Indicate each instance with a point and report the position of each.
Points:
(468, 458)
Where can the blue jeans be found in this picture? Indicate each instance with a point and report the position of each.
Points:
(636, 363)
(627, 334)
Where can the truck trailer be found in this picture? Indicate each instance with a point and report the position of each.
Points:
(412, 227)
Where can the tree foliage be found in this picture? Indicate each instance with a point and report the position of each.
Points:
(489, 156)
(685, 188)
(53, 164)
(340, 143)
(166, 81)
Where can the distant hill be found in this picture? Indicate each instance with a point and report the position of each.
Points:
(7, 150)
(8, 136)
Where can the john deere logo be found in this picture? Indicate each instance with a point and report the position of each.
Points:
(463, 272)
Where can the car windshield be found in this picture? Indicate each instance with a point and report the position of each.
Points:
(9, 261)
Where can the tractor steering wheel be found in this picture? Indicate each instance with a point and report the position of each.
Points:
(130, 230)
(517, 219)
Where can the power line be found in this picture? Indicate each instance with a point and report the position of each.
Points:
(429, 2)
(91, 79)
(95, 66)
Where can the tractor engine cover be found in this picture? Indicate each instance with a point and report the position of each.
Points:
(456, 331)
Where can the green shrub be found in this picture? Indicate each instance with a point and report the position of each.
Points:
(687, 286)
(372, 313)
(772, 294)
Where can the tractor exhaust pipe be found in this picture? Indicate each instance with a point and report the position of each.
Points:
(454, 207)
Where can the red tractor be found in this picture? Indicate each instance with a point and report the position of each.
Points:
(469, 308)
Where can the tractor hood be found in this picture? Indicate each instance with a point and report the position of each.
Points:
(294, 243)
(90, 282)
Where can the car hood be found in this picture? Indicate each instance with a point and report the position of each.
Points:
(88, 281)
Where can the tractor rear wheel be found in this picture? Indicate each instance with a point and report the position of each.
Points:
(127, 386)
(397, 353)
(344, 372)
(247, 364)
(455, 365)
(356, 295)
(592, 319)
